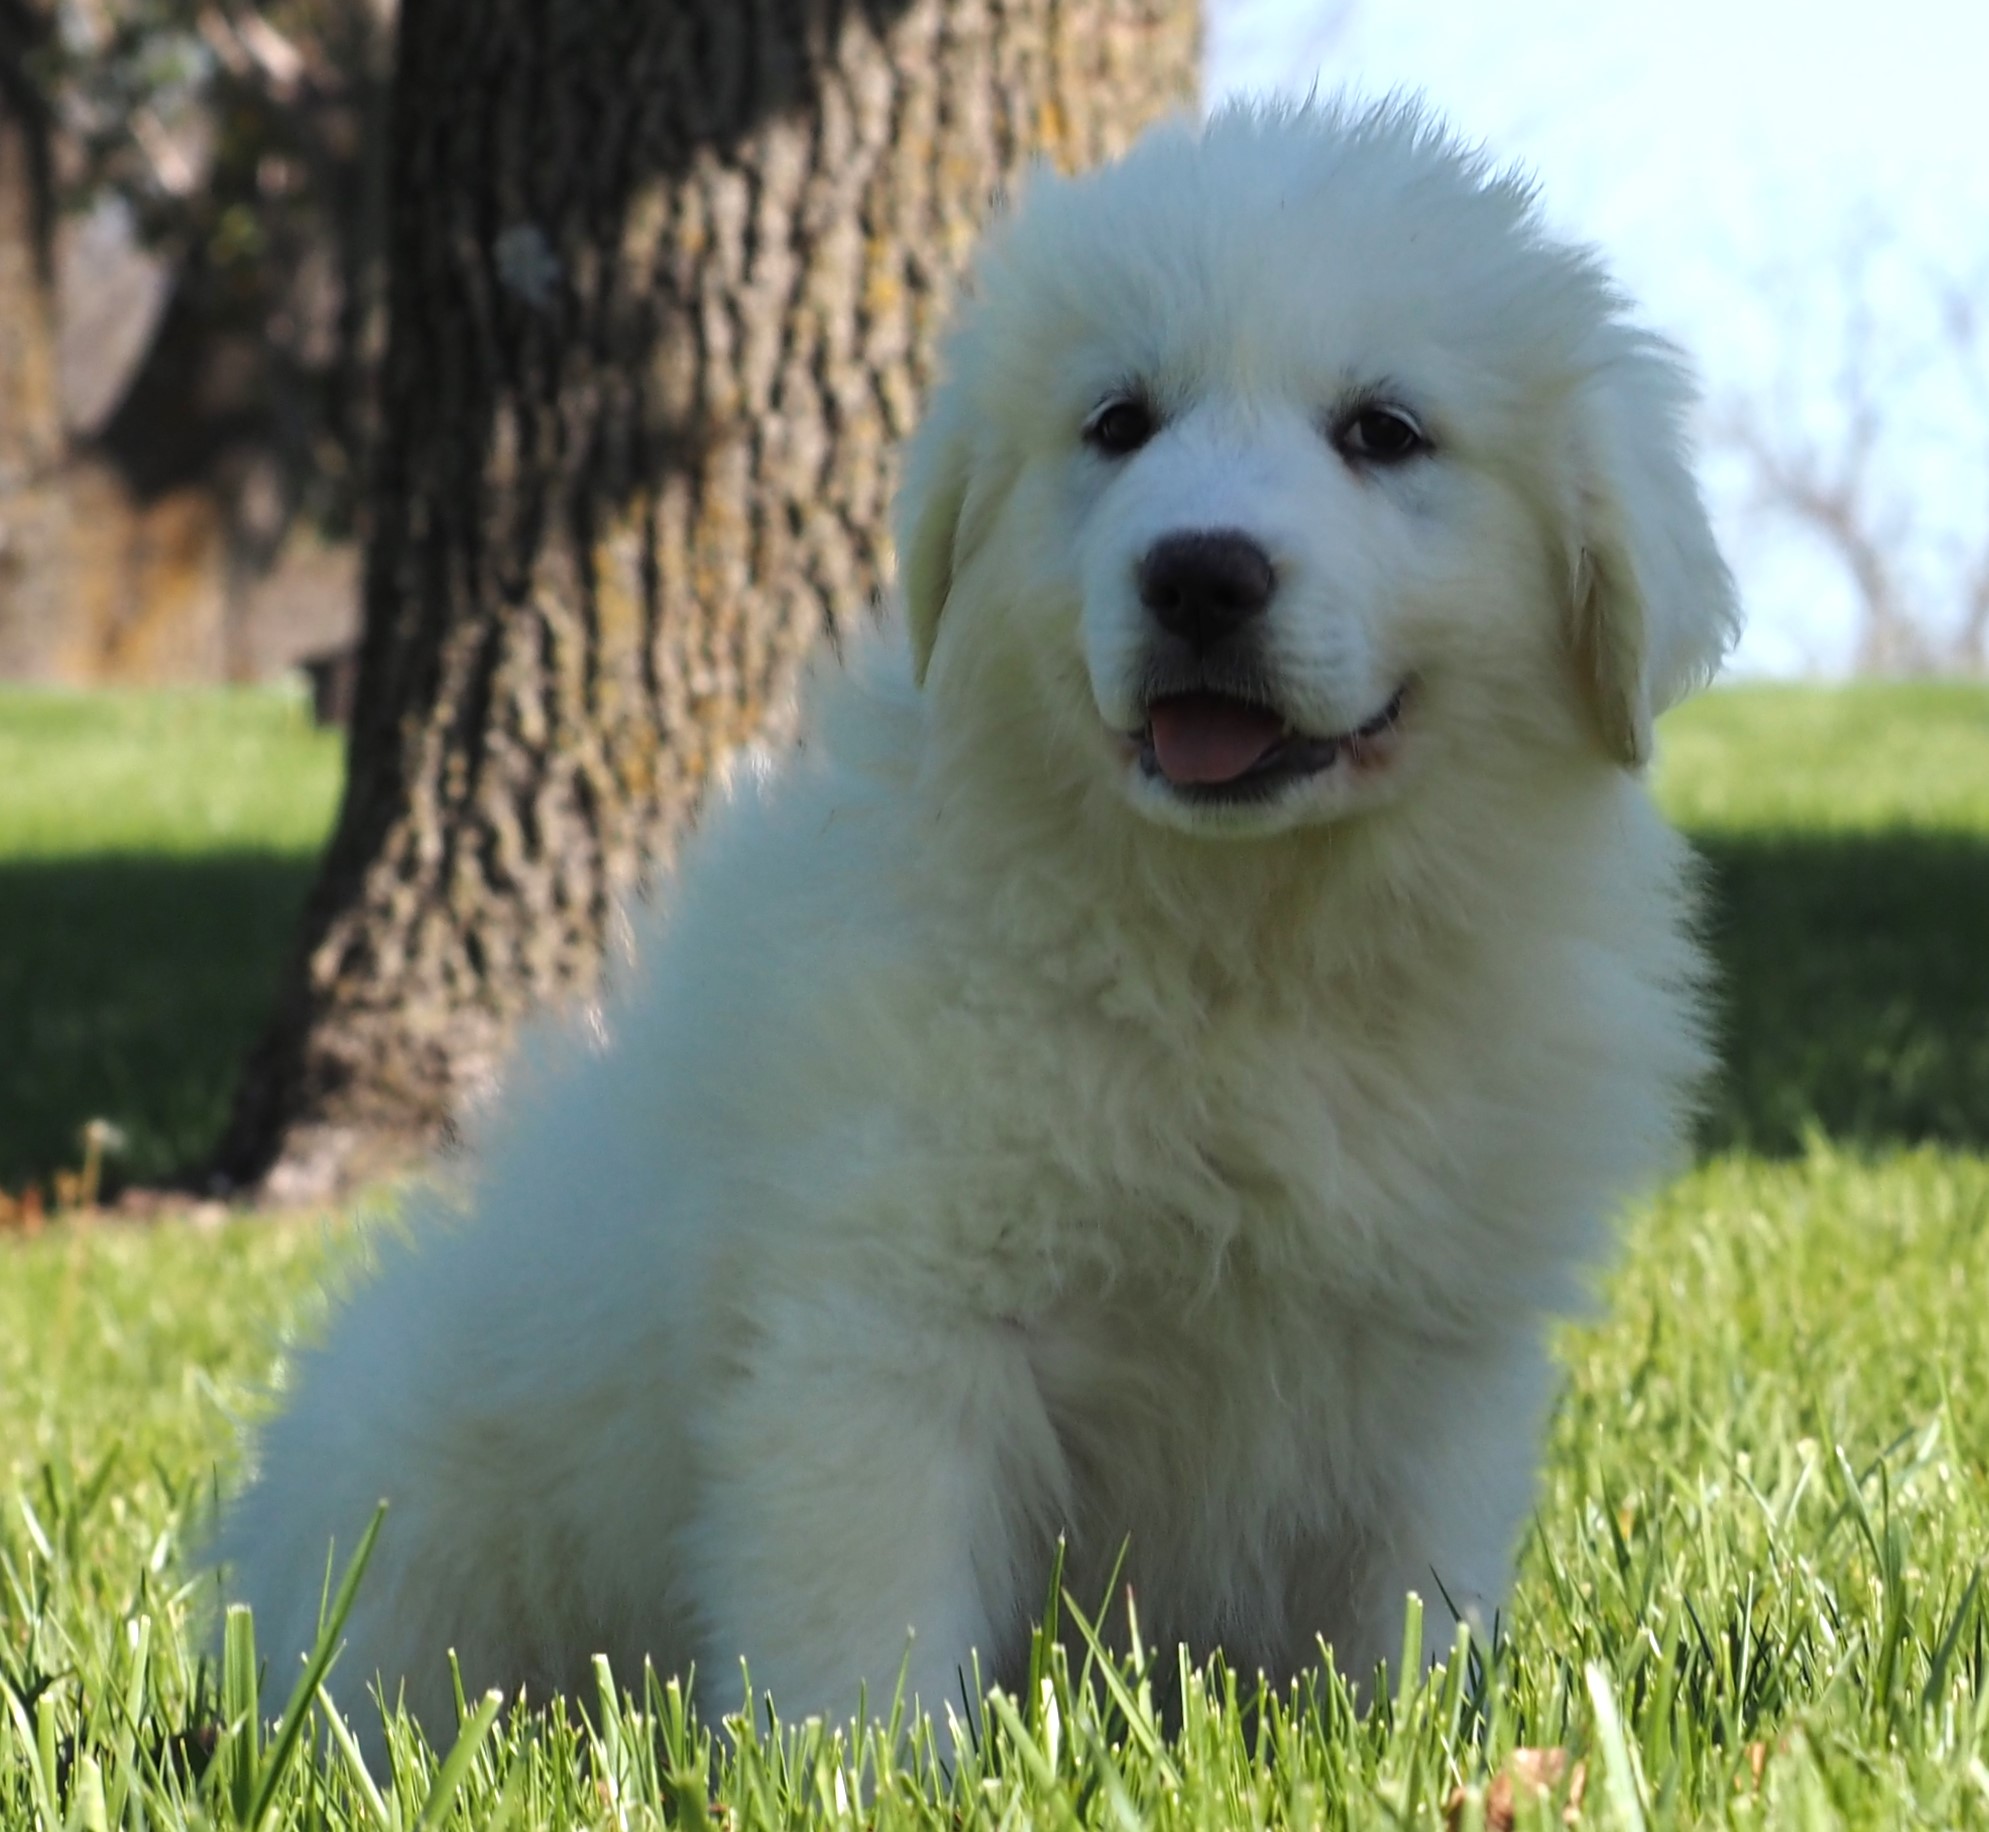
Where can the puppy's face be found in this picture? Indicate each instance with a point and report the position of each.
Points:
(1258, 572)
(1289, 466)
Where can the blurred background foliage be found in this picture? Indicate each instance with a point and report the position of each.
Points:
(190, 226)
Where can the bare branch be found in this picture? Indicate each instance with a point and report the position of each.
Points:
(1848, 482)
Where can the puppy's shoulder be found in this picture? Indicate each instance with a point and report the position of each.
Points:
(826, 799)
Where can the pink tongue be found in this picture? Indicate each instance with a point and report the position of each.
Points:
(1204, 737)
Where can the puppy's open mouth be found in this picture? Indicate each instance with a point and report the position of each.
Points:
(1220, 747)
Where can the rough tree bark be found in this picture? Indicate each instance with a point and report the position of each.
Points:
(664, 281)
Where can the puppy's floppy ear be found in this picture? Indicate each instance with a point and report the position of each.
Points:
(1653, 606)
(932, 503)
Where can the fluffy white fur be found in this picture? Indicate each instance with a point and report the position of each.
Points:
(995, 1145)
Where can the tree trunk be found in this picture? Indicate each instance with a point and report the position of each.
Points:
(664, 283)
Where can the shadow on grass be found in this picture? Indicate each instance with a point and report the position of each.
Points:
(1856, 989)
(130, 987)
(1855, 998)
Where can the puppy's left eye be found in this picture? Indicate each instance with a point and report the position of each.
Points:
(1381, 435)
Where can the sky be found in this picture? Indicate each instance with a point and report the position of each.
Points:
(1785, 185)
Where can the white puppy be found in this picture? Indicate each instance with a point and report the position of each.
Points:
(1145, 1071)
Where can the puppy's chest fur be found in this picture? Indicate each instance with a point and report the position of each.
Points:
(1245, 1157)
(1238, 1264)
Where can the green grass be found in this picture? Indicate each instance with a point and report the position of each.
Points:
(155, 850)
(1751, 1597)
(1848, 839)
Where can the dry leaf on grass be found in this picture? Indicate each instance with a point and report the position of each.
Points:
(24, 1213)
(1757, 1761)
(1540, 1772)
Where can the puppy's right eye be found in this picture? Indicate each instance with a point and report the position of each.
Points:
(1119, 426)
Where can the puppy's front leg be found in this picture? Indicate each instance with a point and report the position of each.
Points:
(872, 1494)
(1448, 1512)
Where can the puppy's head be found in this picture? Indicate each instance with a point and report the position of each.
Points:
(1289, 462)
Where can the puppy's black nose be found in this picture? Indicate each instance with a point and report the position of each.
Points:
(1203, 587)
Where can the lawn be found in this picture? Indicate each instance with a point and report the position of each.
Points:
(1751, 1596)
(155, 850)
